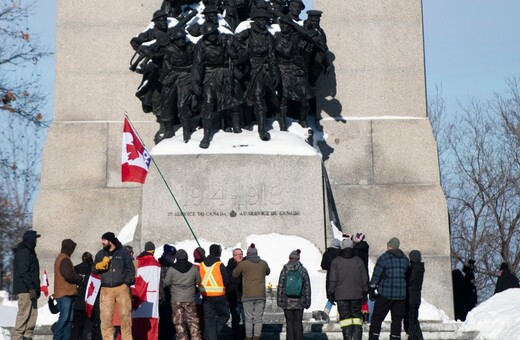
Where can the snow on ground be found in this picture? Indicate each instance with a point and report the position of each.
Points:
(496, 318)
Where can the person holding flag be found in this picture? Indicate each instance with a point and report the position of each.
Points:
(145, 295)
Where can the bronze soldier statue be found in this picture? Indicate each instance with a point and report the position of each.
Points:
(175, 78)
(295, 7)
(295, 84)
(214, 79)
(264, 74)
(317, 54)
(149, 92)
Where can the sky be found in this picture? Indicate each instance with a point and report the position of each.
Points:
(471, 46)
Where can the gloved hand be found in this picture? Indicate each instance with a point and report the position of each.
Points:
(103, 265)
(32, 294)
(372, 293)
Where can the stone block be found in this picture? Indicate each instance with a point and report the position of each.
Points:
(416, 214)
(405, 152)
(226, 197)
(75, 156)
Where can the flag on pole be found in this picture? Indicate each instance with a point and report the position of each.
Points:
(45, 285)
(93, 287)
(135, 159)
(145, 299)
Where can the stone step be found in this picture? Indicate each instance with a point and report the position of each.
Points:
(330, 331)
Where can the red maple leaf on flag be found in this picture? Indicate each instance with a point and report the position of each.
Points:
(139, 292)
(132, 152)
(90, 289)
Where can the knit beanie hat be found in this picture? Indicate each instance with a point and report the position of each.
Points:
(251, 250)
(346, 243)
(335, 243)
(109, 236)
(394, 243)
(169, 250)
(149, 247)
(295, 254)
(415, 256)
(181, 255)
(199, 254)
(215, 250)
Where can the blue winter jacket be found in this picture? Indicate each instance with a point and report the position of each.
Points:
(389, 275)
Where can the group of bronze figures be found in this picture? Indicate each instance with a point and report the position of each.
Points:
(236, 60)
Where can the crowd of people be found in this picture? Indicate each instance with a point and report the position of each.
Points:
(234, 60)
(113, 295)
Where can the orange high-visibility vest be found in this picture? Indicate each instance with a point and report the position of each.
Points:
(212, 283)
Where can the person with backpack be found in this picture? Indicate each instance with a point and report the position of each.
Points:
(253, 271)
(348, 286)
(294, 294)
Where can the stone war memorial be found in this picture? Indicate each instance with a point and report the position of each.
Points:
(259, 124)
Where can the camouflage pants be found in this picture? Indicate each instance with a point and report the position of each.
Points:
(185, 317)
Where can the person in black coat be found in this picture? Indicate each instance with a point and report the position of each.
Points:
(81, 326)
(330, 254)
(414, 281)
(166, 327)
(506, 279)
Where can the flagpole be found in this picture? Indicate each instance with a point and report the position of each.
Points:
(166, 183)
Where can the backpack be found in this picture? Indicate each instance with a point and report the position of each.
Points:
(293, 284)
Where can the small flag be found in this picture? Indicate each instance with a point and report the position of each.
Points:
(93, 287)
(135, 159)
(45, 285)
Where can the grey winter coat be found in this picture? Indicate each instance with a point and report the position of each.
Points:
(348, 278)
(303, 301)
(182, 282)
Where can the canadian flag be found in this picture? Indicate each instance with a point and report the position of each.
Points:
(93, 287)
(45, 285)
(135, 159)
(145, 300)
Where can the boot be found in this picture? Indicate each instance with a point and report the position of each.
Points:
(186, 130)
(281, 118)
(265, 136)
(169, 132)
(347, 333)
(236, 123)
(304, 111)
(158, 135)
(357, 333)
(204, 143)
(248, 118)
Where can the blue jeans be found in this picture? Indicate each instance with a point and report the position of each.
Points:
(64, 323)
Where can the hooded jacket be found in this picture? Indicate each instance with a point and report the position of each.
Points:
(415, 278)
(121, 269)
(389, 276)
(348, 279)
(182, 278)
(253, 271)
(303, 301)
(506, 280)
(26, 269)
(65, 279)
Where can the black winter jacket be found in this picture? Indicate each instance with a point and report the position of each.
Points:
(121, 269)
(26, 272)
(414, 282)
(506, 280)
(85, 269)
